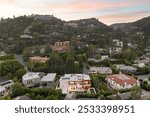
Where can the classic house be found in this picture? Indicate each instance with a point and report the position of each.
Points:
(61, 46)
(5, 87)
(101, 70)
(32, 79)
(122, 81)
(39, 59)
(74, 83)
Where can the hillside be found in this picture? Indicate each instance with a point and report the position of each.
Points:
(142, 25)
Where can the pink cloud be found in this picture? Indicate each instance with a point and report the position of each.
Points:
(89, 5)
(7, 1)
(122, 18)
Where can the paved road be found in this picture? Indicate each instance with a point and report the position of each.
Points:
(85, 70)
(145, 95)
(20, 59)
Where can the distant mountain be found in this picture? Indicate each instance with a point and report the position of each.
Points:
(52, 27)
(142, 25)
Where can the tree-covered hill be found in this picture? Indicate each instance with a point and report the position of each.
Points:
(14, 27)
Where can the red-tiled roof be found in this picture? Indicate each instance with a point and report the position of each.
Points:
(122, 79)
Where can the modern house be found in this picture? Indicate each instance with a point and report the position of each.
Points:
(125, 69)
(39, 59)
(32, 79)
(74, 83)
(5, 87)
(103, 57)
(48, 80)
(122, 81)
(94, 60)
(101, 70)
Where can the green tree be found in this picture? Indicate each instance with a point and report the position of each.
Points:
(129, 54)
(98, 56)
(149, 79)
(18, 90)
(55, 63)
(19, 73)
(10, 67)
(136, 93)
(70, 65)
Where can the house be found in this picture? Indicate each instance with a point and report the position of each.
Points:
(25, 36)
(61, 46)
(101, 70)
(101, 50)
(24, 97)
(2, 53)
(48, 80)
(142, 59)
(93, 60)
(122, 81)
(72, 24)
(129, 45)
(118, 43)
(42, 50)
(5, 87)
(115, 50)
(141, 65)
(147, 51)
(125, 69)
(32, 79)
(103, 57)
(74, 83)
(39, 59)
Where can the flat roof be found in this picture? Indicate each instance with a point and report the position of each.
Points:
(122, 66)
(75, 77)
(31, 75)
(6, 82)
(100, 68)
(49, 77)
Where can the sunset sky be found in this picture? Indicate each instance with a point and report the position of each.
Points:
(107, 11)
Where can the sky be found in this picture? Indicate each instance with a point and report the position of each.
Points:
(107, 11)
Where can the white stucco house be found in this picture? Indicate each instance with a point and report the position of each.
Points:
(74, 83)
(118, 43)
(103, 57)
(48, 80)
(32, 79)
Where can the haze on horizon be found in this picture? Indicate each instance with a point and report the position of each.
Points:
(107, 11)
